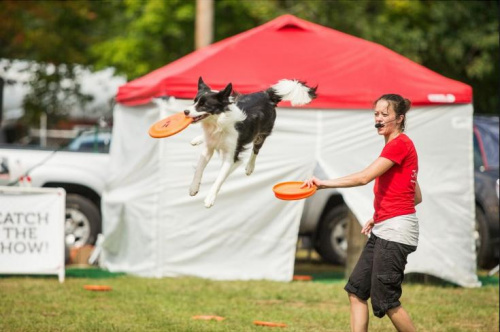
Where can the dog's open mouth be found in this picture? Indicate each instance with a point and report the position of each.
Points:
(201, 117)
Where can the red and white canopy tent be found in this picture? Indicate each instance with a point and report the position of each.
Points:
(154, 228)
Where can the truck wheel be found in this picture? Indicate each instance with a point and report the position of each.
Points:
(83, 221)
(483, 242)
(332, 237)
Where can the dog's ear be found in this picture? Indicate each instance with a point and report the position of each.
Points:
(202, 86)
(224, 94)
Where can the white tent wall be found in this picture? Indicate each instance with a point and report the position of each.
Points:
(447, 247)
(443, 138)
(154, 228)
(130, 201)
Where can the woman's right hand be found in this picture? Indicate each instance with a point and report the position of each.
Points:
(312, 182)
(367, 228)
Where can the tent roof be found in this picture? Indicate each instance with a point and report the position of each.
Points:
(350, 72)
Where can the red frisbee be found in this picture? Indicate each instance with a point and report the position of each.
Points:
(292, 190)
(170, 125)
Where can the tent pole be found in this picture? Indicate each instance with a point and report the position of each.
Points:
(204, 23)
(355, 244)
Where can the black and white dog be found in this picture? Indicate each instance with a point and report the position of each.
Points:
(232, 121)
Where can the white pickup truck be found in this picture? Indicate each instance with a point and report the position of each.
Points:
(79, 168)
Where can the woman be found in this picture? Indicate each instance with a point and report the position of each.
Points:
(394, 226)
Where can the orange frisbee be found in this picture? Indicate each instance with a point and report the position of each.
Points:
(170, 125)
(292, 190)
(269, 324)
(302, 278)
(98, 288)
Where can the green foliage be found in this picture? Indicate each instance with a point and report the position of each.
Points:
(55, 36)
(55, 90)
(233, 16)
(458, 39)
(148, 35)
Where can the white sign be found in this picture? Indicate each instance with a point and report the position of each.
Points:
(32, 230)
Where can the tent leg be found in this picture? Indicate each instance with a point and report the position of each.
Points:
(494, 270)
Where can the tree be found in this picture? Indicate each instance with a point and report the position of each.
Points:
(54, 37)
(462, 43)
(145, 35)
(458, 39)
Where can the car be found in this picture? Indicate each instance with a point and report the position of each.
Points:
(91, 141)
(486, 174)
(323, 224)
(324, 221)
(79, 168)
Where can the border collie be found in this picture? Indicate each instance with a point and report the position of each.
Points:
(231, 121)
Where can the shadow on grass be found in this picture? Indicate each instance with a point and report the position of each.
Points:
(88, 272)
(320, 271)
(425, 279)
(323, 272)
(489, 280)
(91, 273)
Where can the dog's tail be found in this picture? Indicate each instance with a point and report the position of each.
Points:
(294, 91)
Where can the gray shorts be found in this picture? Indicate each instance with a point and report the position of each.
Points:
(379, 274)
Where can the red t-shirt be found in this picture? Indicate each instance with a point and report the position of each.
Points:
(395, 189)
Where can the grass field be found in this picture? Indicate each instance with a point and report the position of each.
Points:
(168, 304)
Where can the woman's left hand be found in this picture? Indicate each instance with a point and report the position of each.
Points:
(368, 227)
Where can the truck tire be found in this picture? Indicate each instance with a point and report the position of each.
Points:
(332, 237)
(483, 242)
(83, 221)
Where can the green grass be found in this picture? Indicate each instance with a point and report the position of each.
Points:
(168, 304)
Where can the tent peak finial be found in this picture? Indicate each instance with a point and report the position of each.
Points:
(290, 22)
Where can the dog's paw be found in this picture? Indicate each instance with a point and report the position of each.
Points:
(249, 169)
(197, 141)
(210, 201)
(193, 190)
